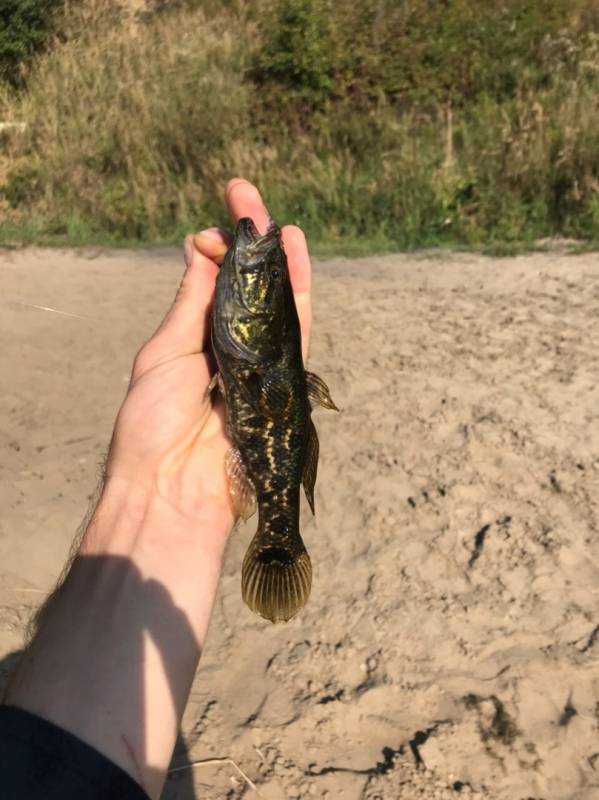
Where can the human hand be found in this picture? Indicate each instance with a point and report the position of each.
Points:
(170, 434)
(140, 590)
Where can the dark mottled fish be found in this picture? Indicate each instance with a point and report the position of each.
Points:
(256, 339)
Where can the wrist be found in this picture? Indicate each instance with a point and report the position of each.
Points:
(180, 551)
(139, 515)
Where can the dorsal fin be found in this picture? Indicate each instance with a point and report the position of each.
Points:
(311, 465)
(319, 392)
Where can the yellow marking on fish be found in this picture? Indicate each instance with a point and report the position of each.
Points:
(270, 457)
(269, 447)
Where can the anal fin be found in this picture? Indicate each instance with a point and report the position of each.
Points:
(241, 489)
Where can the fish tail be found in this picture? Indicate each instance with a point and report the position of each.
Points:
(276, 576)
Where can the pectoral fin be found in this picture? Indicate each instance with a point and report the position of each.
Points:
(241, 489)
(269, 393)
(319, 392)
(311, 465)
(275, 394)
(249, 384)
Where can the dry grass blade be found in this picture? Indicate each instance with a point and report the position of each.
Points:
(53, 310)
(204, 762)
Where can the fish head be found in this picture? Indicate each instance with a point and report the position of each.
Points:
(254, 310)
(260, 266)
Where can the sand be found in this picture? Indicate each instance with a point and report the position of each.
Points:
(451, 644)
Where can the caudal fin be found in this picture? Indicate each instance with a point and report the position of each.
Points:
(276, 578)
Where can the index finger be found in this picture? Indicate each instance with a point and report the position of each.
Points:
(244, 200)
(300, 273)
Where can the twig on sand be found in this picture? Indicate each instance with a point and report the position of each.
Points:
(54, 310)
(203, 762)
(12, 300)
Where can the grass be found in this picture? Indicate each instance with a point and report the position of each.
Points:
(395, 126)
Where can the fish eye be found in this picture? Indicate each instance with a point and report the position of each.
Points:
(276, 273)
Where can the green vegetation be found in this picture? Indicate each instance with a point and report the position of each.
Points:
(25, 27)
(378, 125)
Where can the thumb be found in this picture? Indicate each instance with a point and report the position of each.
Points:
(185, 329)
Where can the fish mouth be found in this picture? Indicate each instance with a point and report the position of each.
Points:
(248, 239)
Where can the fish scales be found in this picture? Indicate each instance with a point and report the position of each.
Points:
(256, 338)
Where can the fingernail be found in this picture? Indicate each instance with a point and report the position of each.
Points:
(212, 233)
(235, 182)
(188, 251)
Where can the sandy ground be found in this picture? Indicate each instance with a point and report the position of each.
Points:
(451, 644)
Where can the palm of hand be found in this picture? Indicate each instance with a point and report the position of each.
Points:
(170, 433)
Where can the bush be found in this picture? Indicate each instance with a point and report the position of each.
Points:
(25, 27)
(297, 48)
(22, 187)
(398, 124)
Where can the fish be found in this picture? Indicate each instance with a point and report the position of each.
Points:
(269, 395)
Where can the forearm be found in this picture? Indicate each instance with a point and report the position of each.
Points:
(118, 645)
